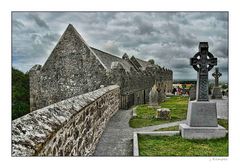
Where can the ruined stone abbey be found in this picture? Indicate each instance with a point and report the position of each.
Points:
(76, 92)
(74, 68)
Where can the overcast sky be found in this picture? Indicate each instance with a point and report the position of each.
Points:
(170, 38)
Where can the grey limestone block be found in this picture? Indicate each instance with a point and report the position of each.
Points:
(188, 132)
(202, 114)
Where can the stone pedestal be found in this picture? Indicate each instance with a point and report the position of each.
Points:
(202, 121)
(188, 132)
(202, 114)
(217, 94)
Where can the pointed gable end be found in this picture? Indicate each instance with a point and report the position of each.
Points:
(70, 44)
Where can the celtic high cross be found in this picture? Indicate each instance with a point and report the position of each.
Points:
(203, 61)
(216, 75)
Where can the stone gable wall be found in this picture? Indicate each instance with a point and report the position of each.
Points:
(71, 69)
(68, 128)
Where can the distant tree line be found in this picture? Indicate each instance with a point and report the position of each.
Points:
(20, 94)
(185, 81)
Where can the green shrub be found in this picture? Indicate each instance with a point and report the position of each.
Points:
(20, 94)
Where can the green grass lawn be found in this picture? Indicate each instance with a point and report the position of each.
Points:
(146, 115)
(177, 146)
(221, 122)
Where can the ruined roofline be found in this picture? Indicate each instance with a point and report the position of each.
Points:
(70, 27)
(122, 58)
(106, 52)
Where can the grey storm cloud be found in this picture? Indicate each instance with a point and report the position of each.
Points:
(38, 20)
(112, 47)
(170, 38)
(144, 26)
(17, 24)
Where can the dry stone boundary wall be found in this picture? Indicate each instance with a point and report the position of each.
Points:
(71, 127)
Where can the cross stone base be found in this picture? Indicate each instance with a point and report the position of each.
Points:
(188, 132)
(217, 94)
(202, 121)
(202, 114)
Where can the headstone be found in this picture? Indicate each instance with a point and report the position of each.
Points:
(153, 96)
(216, 94)
(192, 93)
(163, 113)
(161, 92)
(174, 91)
(202, 114)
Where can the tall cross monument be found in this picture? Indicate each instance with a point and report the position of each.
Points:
(203, 61)
(216, 94)
(216, 75)
(202, 113)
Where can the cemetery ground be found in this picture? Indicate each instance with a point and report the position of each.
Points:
(117, 138)
(174, 145)
(177, 146)
(146, 114)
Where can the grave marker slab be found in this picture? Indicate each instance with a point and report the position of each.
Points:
(192, 93)
(163, 113)
(153, 96)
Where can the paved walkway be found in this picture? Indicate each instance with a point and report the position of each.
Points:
(117, 136)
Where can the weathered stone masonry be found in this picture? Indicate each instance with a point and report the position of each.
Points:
(68, 128)
(74, 68)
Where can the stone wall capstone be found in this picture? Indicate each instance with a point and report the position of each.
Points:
(71, 127)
